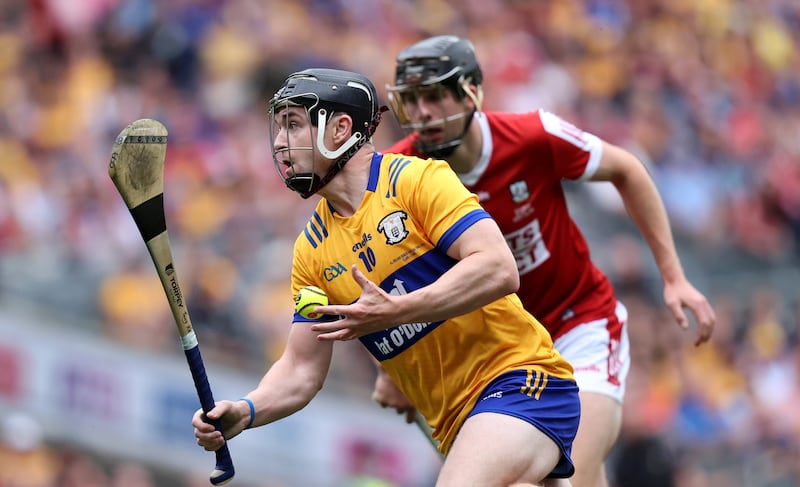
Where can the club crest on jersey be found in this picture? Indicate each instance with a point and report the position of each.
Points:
(519, 191)
(393, 228)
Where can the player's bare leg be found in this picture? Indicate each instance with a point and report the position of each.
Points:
(601, 420)
(547, 483)
(496, 450)
(557, 483)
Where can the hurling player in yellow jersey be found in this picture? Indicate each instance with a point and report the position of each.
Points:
(421, 275)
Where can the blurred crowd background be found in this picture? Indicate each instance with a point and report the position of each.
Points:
(705, 92)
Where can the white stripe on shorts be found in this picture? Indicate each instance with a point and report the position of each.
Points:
(601, 361)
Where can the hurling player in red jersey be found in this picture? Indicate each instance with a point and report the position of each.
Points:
(515, 163)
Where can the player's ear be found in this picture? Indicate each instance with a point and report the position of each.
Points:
(342, 126)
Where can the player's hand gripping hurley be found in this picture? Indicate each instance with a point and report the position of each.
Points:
(137, 170)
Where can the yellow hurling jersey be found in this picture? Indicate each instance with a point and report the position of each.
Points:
(411, 213)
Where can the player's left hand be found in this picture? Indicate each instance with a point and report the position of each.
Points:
(388, 395)
(682, 294)
(372, 312)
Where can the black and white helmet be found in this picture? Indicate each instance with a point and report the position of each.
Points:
(444, 62)
(323, 92)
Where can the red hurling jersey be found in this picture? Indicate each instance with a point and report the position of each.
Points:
(525, 157)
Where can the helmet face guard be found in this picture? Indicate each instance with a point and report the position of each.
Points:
(400, 101)
(430, 68)
(304, 183)
(323, 92)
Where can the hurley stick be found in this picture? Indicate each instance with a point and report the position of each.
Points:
(137, 170)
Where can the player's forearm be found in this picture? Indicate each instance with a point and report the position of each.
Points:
(646, 209)
(476, 280)
(285, 389)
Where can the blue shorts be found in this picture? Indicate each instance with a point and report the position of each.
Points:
(548, 403)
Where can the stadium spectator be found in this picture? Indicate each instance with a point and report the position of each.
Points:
(716, 84)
